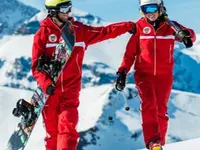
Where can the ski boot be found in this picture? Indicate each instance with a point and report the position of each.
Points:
(155, 146)
(26, 110)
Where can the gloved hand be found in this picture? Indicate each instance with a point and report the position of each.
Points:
(50, 89)
(121, 80)
(133, 30)
(184, 36)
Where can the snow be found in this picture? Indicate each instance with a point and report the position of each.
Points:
(194, 51)
(96, 102)
(39, 16)
(102, 52)
(78, 12)
(92, 100)
(12, 47)
(13, 14)
(130, 119)
(22, 46)
(7, 103)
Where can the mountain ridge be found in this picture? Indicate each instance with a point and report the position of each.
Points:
(12, 15)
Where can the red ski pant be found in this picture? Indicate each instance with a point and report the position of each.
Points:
(154, 92)
(60, 117)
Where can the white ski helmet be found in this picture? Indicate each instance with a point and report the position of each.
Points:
(146, 2)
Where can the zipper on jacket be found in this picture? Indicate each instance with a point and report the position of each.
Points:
(155, 55)
(155, 60)
(78, 64)
(170, 54)
(154, 52)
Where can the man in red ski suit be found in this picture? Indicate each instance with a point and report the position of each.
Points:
(60, 113)
(151, 48)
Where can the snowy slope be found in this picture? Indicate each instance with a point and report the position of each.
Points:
(88, 117)
(194, 51)
(13, 14)
(7, 103)
(126, 126)
(96, 104)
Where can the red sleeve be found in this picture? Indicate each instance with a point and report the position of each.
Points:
(37, 50)
(192, 33)
(98, 34)
(130, 53)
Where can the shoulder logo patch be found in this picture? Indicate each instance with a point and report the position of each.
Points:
(146, 30)
(52, 38)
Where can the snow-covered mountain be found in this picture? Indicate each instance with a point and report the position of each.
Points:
(15, 68)
(186, 69)
(98, 95)
(12, 14)
(30, 26)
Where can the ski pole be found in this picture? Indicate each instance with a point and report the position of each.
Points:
(113, 107)
(127, 108)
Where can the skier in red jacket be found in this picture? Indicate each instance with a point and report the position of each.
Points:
(60, 113)
(151, 48)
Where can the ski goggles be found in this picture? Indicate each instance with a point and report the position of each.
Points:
(150, 8)
(65, 8)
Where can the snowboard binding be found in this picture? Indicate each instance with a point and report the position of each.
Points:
(26, 110)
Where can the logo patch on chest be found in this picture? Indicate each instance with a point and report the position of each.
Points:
(52, 38)
(146, 30)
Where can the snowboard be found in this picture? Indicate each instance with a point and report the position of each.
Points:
(29, 111)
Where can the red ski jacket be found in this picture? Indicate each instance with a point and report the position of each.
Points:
(46, 39)
(150, 50)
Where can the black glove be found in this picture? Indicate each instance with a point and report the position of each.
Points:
(121, 80)
(50, 89)
(184, 36)
(134, 29)
(42, 63)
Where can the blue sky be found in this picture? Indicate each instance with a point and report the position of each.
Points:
(184, 11)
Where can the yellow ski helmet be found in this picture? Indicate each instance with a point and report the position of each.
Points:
(53, 4)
